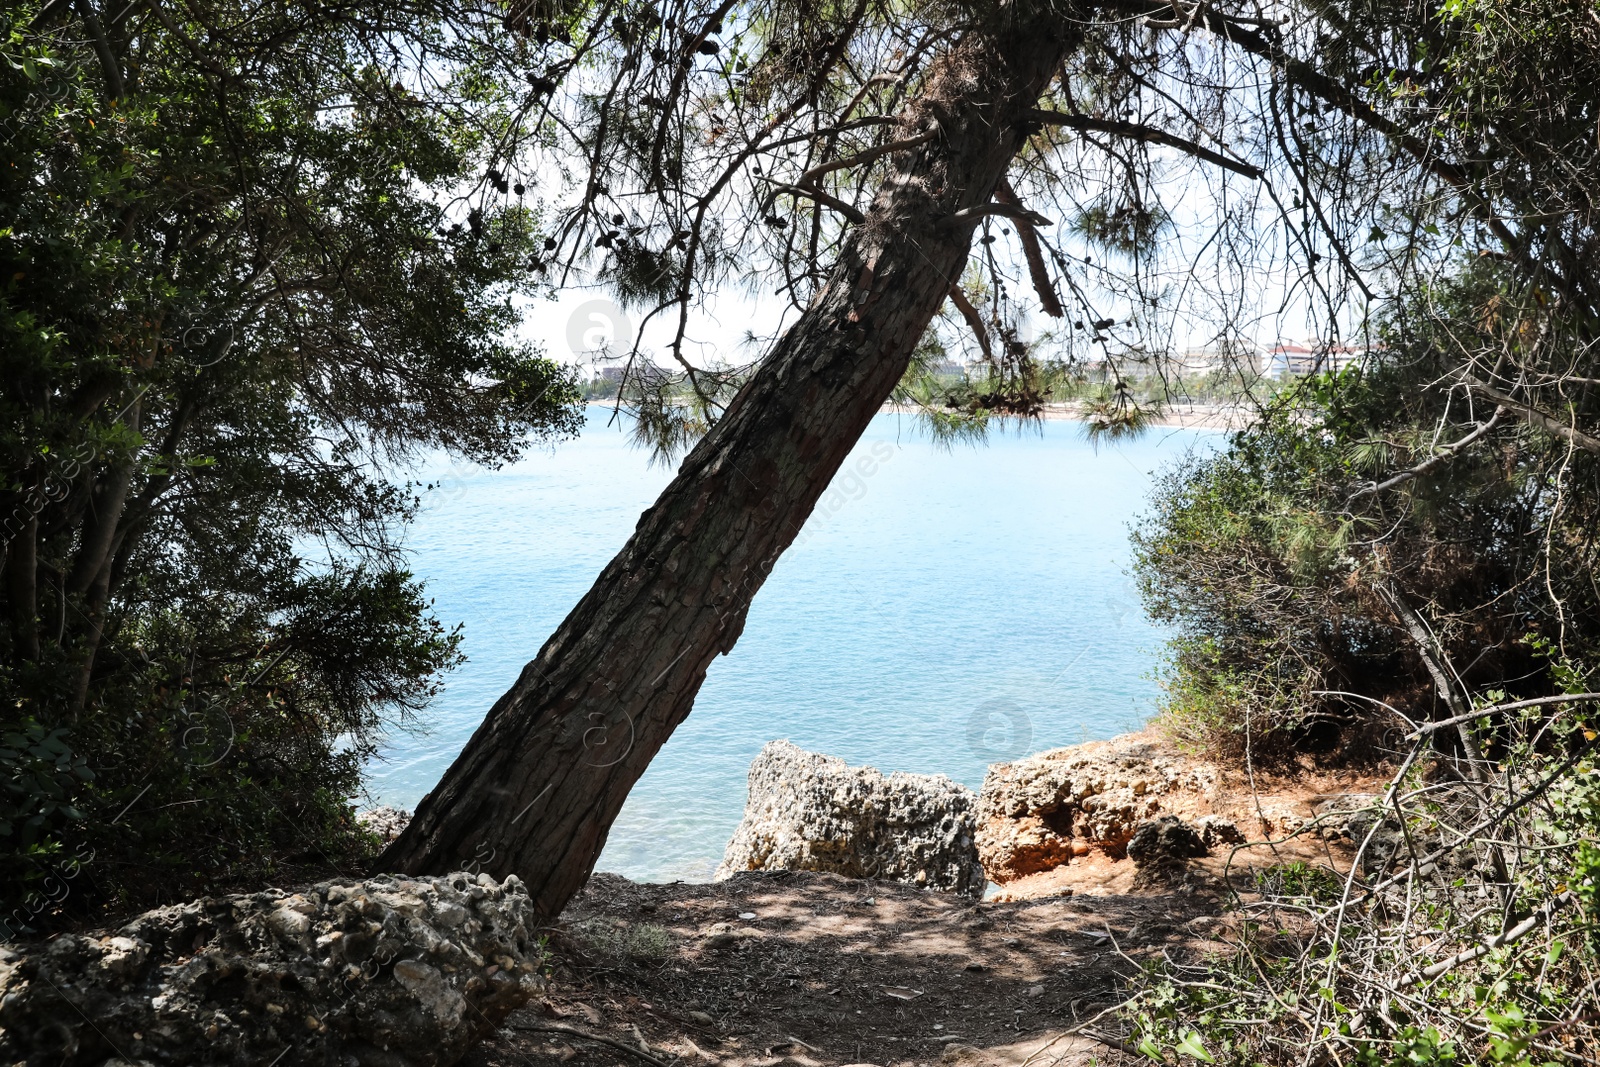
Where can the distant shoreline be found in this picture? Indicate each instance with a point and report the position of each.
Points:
(1187, 416)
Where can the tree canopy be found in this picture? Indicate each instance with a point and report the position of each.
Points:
(258, 256)
(244, 277)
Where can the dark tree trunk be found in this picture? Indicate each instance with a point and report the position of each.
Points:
(537, 787)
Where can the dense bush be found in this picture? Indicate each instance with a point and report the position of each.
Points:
(1278, 559)
(253, 259)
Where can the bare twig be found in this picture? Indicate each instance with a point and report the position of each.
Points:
(573, 1031)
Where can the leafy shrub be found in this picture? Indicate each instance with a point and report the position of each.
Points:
(615, 939)
(1277, 561)
(40, 778)
(239, 295)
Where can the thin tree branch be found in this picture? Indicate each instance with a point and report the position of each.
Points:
(974, 321)
(825, 199)
(1541, 916)
(1496, 709)
(1445, 453)
(810, 177)
(116, 88)
(573, 1031)
(1148, 134)
(1531, 414)
(981, 211)
(1049, 301)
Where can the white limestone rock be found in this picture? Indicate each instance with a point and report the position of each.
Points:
(390, 972)
(810, 812)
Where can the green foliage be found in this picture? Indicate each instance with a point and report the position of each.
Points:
(1299, 879)
(1122, 223)
(40, 775)
(242, 283)
(671, 412)
(615, 939)
(1268, 556)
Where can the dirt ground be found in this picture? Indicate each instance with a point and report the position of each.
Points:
(794, 969)
(815, 970)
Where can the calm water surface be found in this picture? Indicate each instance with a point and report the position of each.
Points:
(942, 610)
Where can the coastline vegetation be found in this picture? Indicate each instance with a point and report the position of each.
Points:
(241, 283)
(256, 257)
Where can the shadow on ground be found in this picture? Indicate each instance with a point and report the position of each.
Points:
(815, 970)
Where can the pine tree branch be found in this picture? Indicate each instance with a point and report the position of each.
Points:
(1147, 134)
(1049, 301)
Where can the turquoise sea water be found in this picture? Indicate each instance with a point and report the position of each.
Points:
(942, 610)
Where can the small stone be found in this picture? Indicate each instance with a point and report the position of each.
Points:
(1036, 991)
(701, 1017)
(123, 956)
(1164, 840)
(1215, 830)
(747, 915)
(289, 923)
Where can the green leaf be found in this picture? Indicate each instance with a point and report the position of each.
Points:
(1192, 1046)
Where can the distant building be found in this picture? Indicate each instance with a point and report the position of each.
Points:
(1291, 359)
(1195, 362)
(1286, 359)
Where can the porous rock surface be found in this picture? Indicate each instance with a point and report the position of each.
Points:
(389, 972)
(388, 823)
(1039, 812)
(1161, 850)
(810, 812)
(1164, 841)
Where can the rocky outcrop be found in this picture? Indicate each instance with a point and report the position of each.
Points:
(1216, 831)
(388, 823)
(1167, 840)
(1038, 813)
(391, 972)
(809, 812)
(1161, 850)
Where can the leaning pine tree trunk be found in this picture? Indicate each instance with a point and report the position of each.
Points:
(541, 781)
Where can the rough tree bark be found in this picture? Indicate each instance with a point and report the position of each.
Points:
(539, 784)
